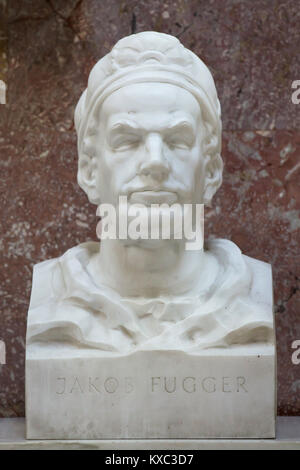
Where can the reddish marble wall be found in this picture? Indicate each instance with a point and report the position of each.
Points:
(251, 48)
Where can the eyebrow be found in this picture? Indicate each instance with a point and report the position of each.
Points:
(181, 124)
(129, 126)
(124, 125)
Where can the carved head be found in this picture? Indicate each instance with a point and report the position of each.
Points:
(149, 125)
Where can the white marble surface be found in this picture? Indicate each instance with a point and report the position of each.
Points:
(12, 436)
(67, 305)
(152, 394)
(149, 130)
(140, 310)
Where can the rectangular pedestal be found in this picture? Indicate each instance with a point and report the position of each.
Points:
(155, 394)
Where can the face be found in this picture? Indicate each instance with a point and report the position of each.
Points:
(149, 146)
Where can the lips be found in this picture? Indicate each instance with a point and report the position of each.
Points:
(147, 197)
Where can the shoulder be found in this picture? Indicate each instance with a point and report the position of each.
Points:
(262, 282)
(251, 277)
(41, 288)
(229, 253)
(48, 279)
(54, 281)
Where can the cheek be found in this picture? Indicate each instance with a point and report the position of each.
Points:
(188, 164)
(114, 171)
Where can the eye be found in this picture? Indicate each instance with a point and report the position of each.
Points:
(177, 142)
(180, 136)
(124, 142)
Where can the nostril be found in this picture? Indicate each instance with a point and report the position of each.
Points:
(157, 171)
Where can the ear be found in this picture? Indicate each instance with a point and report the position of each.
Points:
(86, 177)
(213, 177)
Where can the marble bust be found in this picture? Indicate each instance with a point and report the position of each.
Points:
(149, 129)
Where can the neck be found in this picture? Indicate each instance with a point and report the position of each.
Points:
(148, 268)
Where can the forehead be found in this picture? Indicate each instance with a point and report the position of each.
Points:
(149, 101)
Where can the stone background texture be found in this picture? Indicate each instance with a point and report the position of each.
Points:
(47, 48)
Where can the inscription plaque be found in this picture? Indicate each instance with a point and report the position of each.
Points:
(160, 395)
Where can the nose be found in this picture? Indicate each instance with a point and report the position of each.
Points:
(154, 163)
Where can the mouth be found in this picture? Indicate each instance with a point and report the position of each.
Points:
(148, 197)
